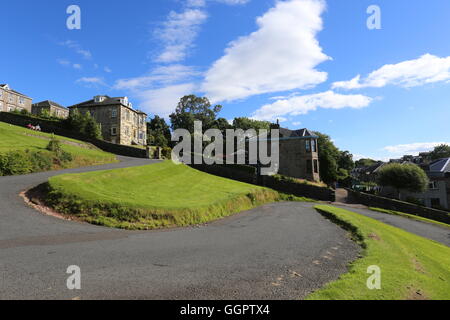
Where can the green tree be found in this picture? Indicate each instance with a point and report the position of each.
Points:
(329, 156)
(365, 163)
(85, 124)
(409, 177)
(158, 132)
(192, 108)
(439, 152)
(246, 124)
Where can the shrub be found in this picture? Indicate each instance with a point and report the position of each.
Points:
(167, 153)
(15, 163)
(41, 161)
(408, 177)
(54, 145)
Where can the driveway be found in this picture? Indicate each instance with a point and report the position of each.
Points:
(277, 251)
(423, 229)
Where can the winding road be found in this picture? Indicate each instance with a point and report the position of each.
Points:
(277, 251)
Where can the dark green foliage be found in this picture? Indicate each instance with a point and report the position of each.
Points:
(408, 177)
(439, 152)
(167, 153)
(85, 124)
(158, 132)
(192, 108)
(365, 163)
(15, 163)
(246, 124)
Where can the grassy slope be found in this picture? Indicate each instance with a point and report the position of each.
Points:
(410, 216)
(412, 267)
(17, 138)
(153, 196)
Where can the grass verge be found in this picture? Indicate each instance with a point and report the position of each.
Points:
(410, 216)
(153, 196)
(412, 267)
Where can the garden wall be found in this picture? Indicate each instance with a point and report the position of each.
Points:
(396, 205)
(57, 127)
(248, 174)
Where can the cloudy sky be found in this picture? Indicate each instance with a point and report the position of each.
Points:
(378, 93)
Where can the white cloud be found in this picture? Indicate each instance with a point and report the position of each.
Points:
(92, 81)
(413, 148)
(412, 73)
(281, 55)
(178, 34)
(163, 101)
(163, 75)
(304, 104)
(77, 66)
(67, 63)
(107, 69)
(77, 48)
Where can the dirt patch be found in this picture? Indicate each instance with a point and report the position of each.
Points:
(70, 143)
(35, 199)
(374, 237)
(418, 266)
(416, 294)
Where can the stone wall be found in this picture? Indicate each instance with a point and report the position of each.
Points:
(248, 174)
(396, 205)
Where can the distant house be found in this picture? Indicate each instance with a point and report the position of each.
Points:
(299, 154)
(11, 100)
(53, 109)
(120, 123)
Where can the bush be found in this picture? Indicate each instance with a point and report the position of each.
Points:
(167, 153)
(41, 161)
(408, 177)
(15, 163)
(54, 145)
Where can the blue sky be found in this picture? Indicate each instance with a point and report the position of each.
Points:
(292, 60)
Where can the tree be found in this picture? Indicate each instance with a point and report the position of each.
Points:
(158, 132)
(246, 124)
(192, 108)
(409, 177)
(439, 152)
(329, 156)
(84, 124)
(365, 163)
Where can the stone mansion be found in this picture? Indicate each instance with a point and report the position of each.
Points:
(120, 123)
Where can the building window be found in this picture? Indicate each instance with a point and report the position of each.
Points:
(308, 145)
(1, 93)
(1, 106)
(11, 98)
(433, 185)
(313, 145)
(21, 101)
(114, 113)
(316, 166)
(309, 168)
(113, 131)
(435, 203)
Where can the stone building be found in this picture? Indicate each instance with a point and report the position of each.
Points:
(52, 108)
(11, 100)
(120, 123)
(299, 157)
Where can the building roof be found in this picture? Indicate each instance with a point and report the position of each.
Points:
(6, 87)
(48, 103)
(441, 165)
(108, 101)
(302, 133)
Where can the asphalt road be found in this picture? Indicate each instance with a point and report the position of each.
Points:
(423, 229)
(277, 251)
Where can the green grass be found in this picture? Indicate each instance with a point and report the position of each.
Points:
(17, 138)
(153, 196)
(410, 216)
(412, 267)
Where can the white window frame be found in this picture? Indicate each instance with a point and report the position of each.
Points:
(114, 131)
(433, 185)
(114, 113)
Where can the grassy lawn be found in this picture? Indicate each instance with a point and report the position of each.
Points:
(17, 138)
(410, 216)
(412, 267)
(153, 196)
